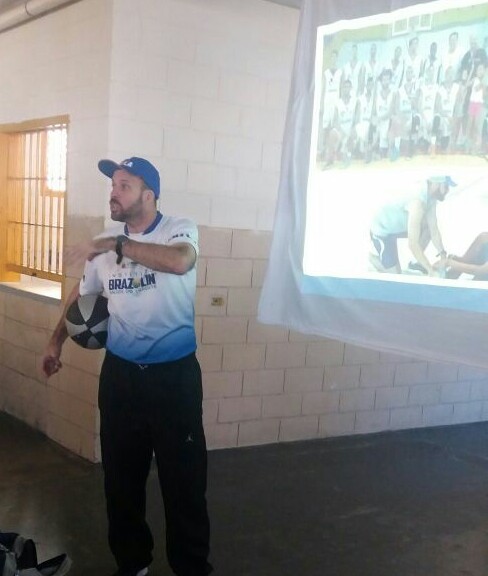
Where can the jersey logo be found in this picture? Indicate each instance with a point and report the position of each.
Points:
(182, 235)
(130, 284)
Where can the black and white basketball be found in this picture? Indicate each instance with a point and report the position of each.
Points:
(87, 321)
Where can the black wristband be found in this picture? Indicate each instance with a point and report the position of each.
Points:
(119, 242)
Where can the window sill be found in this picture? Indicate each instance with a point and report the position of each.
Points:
(40, 291)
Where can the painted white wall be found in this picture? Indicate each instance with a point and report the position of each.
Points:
(201, 88)
(59, 64)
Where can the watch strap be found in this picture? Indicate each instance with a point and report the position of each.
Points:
(119, 242)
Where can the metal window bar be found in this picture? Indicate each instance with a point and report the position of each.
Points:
(36, 199)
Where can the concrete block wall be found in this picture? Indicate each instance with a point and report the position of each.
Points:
(266, 384)
(202, 89)
(262, 384)
(63, 407)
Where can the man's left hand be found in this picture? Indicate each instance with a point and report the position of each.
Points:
(88, 250)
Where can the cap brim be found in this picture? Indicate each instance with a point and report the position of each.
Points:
(108, 167)
(442, 180)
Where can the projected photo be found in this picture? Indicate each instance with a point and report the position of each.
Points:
(398, 182)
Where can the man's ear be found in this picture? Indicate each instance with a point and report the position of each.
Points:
(149, 194)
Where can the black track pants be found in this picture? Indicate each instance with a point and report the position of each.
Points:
(148, 409)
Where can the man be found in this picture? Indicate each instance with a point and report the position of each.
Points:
(449, 101)
(412, 57)
(150, 395)
(451, 58)
(342, 139)
(371, 68)
(352, 71)
(397, 68)
(473, 57)
(364, 128)
(413, 217)
(332, 79)
(382, 113)
(403, 127)
(433, 63)
(427, 97)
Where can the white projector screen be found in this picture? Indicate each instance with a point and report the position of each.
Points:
(381, 228)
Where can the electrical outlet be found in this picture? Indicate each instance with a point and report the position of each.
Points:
(217, 301)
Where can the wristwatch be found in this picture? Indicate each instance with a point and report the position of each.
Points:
(119, 242)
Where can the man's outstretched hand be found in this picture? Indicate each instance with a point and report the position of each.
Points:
(50, 361)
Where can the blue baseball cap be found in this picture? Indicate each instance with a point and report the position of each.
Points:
(136, 166)
(444, 179)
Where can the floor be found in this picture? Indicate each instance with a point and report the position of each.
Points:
(409, 503)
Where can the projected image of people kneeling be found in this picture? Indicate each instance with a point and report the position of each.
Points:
(413, 217)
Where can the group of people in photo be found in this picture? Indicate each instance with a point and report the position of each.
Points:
(406, 97)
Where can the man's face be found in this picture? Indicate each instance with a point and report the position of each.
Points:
(413, 46)
(126, 196)
(439, 190)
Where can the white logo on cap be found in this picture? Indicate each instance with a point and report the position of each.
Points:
(127, 163)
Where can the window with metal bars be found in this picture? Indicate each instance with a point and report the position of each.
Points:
(33, 188)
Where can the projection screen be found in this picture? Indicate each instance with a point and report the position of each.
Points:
(381, 228)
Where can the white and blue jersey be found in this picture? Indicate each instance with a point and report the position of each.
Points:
(392, 218)
(151, 313)
(391, 223)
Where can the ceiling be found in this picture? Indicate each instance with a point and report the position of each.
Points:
(292, 3)
(6, 4)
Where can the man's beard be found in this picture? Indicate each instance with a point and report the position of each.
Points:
(124, 215)
(117, 216)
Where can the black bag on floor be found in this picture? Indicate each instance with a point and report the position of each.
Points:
(18, 557)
